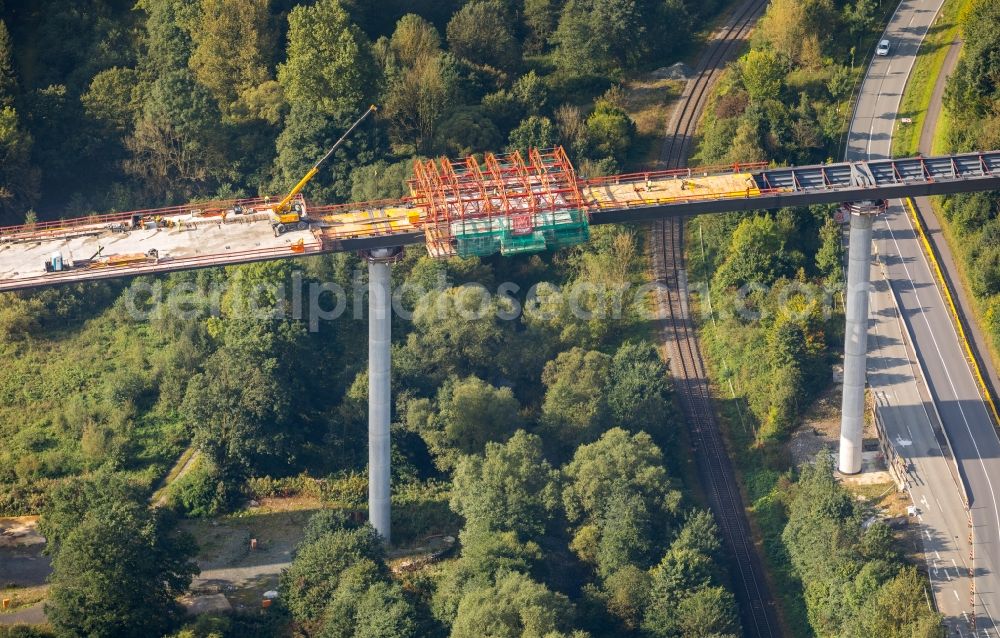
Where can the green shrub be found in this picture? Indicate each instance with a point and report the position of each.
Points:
(200, 491)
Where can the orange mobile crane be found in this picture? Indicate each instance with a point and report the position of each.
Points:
(289, 215)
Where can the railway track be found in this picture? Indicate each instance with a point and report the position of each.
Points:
(686, 363)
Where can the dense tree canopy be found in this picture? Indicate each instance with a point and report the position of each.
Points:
(321, 566)
(511, 488)
(829, 547)
(480, 33)
(471, 414)
(515, 606)
(117, 566)
(575, 408)
(232, 45)
(329, 77)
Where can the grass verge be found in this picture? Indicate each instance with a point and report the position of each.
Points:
(21, 597)
(978, 308)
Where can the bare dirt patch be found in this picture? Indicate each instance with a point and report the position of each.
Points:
(820, 430)
(20, 531)
(22, 563)
(649, 101)
(229, 566)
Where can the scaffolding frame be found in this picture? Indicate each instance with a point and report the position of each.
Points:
(506, 203)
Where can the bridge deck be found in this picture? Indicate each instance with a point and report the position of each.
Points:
(212, 233)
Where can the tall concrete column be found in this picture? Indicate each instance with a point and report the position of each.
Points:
(852, 421)
(379, 391)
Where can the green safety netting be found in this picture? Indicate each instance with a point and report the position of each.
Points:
(549, 230)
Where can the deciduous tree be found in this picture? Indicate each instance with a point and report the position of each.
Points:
(118, 569)
(232, 44)
(474, 413)
(413, 39)
(639, 390)
(8, 81)
(575, 409)
(533, 132)
(515, 606)
(419, 97)
(481, 33)
(511, 488)
(314, 576)
(486, 554)
(763, 74)
(329, 77)
(18, 178)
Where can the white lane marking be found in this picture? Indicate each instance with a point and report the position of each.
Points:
(956, 594)
(875, 303)
(923, 315)
(937, 554)
(927, 533)
(878, 96)
(940, 509)
(857, 102)
(909, 71)
(873, 310)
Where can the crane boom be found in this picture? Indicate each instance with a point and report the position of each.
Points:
(284, 204)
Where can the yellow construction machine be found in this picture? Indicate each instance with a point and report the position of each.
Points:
(290, 213)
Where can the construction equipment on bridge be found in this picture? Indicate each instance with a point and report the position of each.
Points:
(291, 214)
(56, 262)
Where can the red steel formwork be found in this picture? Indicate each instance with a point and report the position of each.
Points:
(505, 197)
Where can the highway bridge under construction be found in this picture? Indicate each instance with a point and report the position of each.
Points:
(507, 204)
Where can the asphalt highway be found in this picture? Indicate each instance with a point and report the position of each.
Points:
(951, 396)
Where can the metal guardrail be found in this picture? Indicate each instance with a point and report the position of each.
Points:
(831, 184)
(896, 464)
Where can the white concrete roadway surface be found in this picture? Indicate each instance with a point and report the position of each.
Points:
(201, 242)
(948, 376)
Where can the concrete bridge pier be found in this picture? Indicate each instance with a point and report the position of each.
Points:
(852, 421)
(379, 388)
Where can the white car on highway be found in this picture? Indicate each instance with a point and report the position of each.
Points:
(882, 48)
